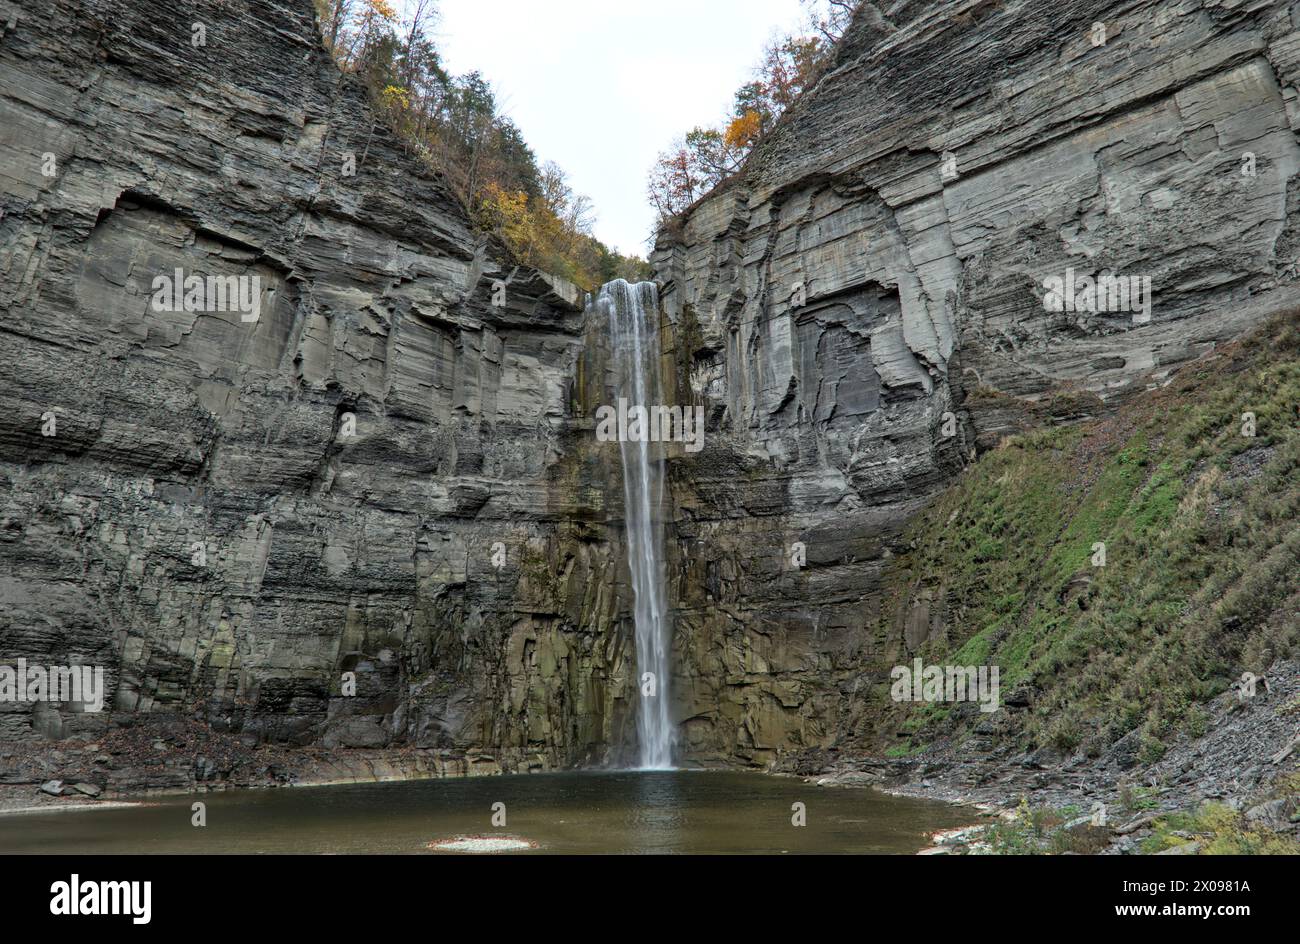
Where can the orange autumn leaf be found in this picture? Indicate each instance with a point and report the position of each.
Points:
(743, 131)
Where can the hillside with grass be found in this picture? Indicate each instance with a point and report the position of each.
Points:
(1194, 491)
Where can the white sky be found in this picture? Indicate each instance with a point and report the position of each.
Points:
(602, 86)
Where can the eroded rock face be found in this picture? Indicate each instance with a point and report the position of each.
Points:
(865, 304)
(380, 475)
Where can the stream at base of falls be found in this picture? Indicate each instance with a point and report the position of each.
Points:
(678, 811)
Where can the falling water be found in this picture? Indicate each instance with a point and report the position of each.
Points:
(635, 349)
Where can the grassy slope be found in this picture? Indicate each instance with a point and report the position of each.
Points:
(1202, 573)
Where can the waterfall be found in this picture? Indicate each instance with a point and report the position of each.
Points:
(634, 342)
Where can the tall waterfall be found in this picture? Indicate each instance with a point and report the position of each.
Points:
(633, 321)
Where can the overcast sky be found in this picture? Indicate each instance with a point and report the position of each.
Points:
(602, 86)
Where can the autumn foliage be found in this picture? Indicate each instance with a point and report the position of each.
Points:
(456, 125)
(703, 157)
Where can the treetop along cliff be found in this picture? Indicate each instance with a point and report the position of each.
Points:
(456, 125)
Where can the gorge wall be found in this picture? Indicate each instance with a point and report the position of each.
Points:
(880, 262)
(381, 475)
(229, 516)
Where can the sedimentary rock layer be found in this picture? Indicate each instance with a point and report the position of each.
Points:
(380, 475)
(864, 305)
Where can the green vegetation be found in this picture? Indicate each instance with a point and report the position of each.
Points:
(1201, 551)
(1220, 830)
(1137, 799)
(1216, 829)
(1042, 831)
(454, 124)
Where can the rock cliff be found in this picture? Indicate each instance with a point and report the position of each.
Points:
(380, 475)
(863, 307)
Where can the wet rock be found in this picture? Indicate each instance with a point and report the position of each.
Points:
(204, 769)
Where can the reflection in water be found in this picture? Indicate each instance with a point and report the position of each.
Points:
(660, 811)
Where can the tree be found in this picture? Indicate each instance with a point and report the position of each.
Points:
(743, 132)
(707, 156)
(455, 123)
(572, 209)
(712, 155)
(416, 50)
(832, 23)
(789, 67)
(334, 15)
(676, 180)
(375, 45)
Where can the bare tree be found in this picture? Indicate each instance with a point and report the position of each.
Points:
(831, 24)
(417, 23)
(335, 13)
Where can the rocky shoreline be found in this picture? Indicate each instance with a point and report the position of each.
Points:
(1241, 762)
(158, 756)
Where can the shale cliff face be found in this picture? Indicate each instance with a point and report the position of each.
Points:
(864, 307)
(380, 475)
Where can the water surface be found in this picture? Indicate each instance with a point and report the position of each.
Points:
(589, 812)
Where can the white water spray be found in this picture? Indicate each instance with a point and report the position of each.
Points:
(633, 312)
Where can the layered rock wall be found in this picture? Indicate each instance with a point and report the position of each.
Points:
(381, 475)
(864, 305)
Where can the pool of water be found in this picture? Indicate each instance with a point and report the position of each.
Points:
(607, 812)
